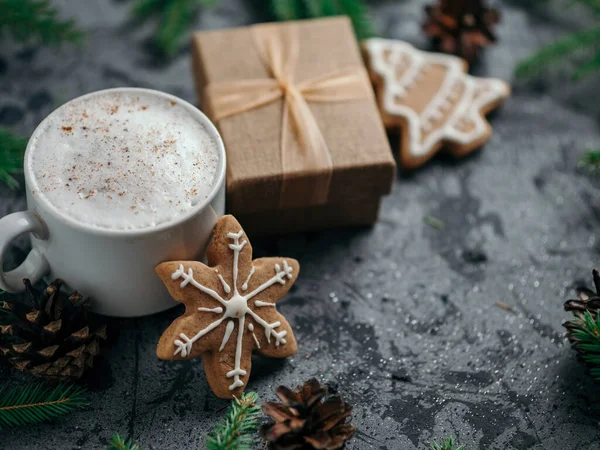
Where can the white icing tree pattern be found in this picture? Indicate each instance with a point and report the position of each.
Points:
(434, 95)
(234, 308)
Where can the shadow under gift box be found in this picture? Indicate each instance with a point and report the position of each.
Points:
(362, 169)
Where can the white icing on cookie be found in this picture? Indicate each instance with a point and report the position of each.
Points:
(245, 285)
(236, 307)
(423, 134)
(226, 287)
(251, 328)
(259, 303)
(227, 335)
(217, 310)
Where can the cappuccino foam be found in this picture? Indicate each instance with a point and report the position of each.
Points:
(123, 160)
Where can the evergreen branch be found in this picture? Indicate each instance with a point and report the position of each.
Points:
(240, 423)
(361, 21)
(120, 443)
(356, 10)
(175, 16)
(593, 65)
(178, 16)
(590, 160)
(12, 149)
(558, 50)
(315, 8)
(36, 20)
(328, 8)
(594, 5)
(585, 337)
(288, 9)
(37, 403)
(447, 444)
(434, 222)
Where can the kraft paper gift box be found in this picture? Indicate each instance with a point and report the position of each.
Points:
(306, 148)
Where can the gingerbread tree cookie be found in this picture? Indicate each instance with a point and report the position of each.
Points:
(230, 309)
(431, 99)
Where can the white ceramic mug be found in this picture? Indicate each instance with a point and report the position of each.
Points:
(114, 267)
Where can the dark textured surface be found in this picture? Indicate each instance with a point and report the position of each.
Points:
(403, 316)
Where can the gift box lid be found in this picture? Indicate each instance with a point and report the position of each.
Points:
(362, 162)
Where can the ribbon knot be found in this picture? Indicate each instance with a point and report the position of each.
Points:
(284, 86)
(278, 47)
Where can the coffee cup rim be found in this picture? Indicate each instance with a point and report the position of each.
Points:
(31, 181)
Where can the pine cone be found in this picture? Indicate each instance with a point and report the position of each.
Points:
(308, 418)
(461, 27)
(588, 299)
(47, 333)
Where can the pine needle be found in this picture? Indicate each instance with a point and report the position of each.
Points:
(447, 444)
(586, 334)
(587, 68)
(315, 8)
(290, 9)
(120, 443)
(359, 15)
(590, 161)
(434, 222)
(236, 431)
(37, 403)
(328, 8)
(593, 5)
(563, 48)
(175, 17)
(356, 10)
(12, 149)
(37, 21)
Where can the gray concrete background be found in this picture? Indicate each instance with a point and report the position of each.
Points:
(401, 317)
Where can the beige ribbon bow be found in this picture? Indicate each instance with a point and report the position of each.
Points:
(279, 49)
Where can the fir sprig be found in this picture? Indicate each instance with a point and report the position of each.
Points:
(11, 157)
(563, 48)
(590, 161)
(434, 222)
(175, 17)
(37, 403)
(585, 41)
(594, 5)
(447, 444)
(36, 21)
(290, 9)
(585, 337)
(356, 10)
(236, 431)
(120, 443)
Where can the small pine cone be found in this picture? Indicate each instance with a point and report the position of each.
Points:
(461, 27)
(588, 300)
(308, 418)
(48, 333)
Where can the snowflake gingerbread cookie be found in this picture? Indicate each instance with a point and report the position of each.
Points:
(431, 98)
(230, 309)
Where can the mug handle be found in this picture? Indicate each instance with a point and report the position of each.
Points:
(35, 265)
